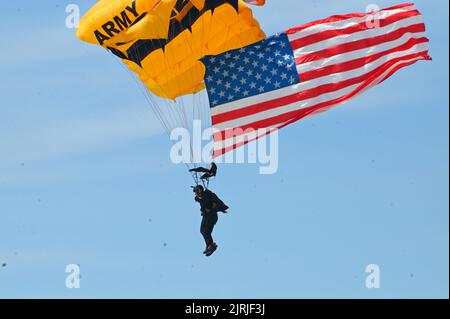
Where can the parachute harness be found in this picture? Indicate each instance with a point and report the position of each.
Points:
(198, 181)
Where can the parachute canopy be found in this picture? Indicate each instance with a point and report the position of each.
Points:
(163, 40)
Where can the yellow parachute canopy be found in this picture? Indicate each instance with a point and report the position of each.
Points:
(163, 40)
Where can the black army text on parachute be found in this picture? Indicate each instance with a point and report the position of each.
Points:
(184, 15)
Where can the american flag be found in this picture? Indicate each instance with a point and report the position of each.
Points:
(256, 2)
(307, 70)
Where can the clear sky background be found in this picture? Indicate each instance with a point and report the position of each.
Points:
(85, 178)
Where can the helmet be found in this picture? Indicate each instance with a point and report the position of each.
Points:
(198, 188)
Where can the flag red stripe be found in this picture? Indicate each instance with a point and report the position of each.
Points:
(341, 17)
(363, 26)
(360, 44)
(357, 63)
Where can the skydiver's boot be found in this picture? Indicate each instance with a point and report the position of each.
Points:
(206, 250)
(211, 249)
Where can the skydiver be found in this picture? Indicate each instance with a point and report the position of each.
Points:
(208, 173)
(210, 204)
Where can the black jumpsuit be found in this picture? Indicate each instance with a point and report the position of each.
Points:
(210, 204)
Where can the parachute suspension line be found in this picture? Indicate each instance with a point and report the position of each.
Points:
(194, 110)
(208, 118)
(166, 113)
(171, 113)
(195, 175)
(205, 113)
(146, 95)
(194, 164)
(205, 184)
(198, 106)
(203, 53)
(197, 101)
(151, 100)
(183, 116)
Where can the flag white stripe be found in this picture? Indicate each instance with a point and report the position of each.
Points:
(357, 54)
(342, 24)
(286, 108)
(360, 35)
(368, 67)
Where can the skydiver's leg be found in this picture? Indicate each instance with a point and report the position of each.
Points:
(204, 231)
(212, 220)
(209, 220)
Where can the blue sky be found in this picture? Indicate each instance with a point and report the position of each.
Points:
(85, 178)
